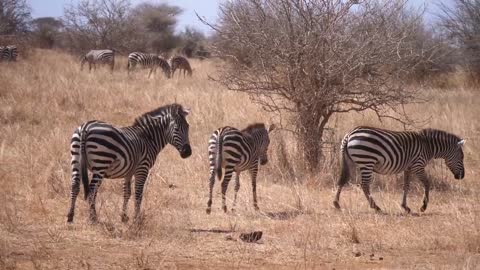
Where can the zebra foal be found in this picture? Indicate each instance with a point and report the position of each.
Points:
(180, 63)
(231, 150)
(125, 152)
(390, 152)
(94, 57)
(151, 61)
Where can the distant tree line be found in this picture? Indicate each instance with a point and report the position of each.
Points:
(115, 24)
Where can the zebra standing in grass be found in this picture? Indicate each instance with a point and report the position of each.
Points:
(390, 152)
(8, 53)
(151, 61)
(126, 152)
(180, 62)
(233, 150)
(95, 57)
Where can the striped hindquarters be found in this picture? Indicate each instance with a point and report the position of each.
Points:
(100, 56)
(8, 53)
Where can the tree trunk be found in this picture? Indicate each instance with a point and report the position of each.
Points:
(311, 126)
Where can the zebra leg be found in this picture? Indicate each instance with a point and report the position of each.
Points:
(92, 196)
(210, 185)
(127, 192)
(150, 73)
(422, 176)
(75, 186)
(366, 173)
(237, 188)
(226, 179)
(140, 179)
(253, 174)
(406, 187)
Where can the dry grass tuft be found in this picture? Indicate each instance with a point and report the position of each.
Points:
(43, 98)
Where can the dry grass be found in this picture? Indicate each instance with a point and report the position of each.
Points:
(45, 97)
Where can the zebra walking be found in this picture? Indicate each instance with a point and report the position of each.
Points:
(125, 152)
(95, 57)
(390, 152)
(151, 61)
(180, 62)
(231, 150)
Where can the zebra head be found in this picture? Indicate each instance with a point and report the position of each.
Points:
(178, 132)
(264, 140)
(454, 160)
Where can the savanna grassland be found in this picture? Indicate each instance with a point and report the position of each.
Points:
(45, 97)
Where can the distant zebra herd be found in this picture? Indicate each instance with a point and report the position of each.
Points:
(140, 59)
(8, 53)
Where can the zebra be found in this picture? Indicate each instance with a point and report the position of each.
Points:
(236, 151)
(13, 52)
(390, 152)
(151, 61)
(180, 62)
(8, 53)
(94, 57)
(125, 152)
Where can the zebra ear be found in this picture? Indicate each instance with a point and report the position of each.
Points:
(461, 143)
(272, 127)
(185, 111)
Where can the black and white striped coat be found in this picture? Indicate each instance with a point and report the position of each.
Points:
(151, 61)
(8, 53)
(231, 150)
(180, 63)
(124, 152)
(94, 57)
(390, 152)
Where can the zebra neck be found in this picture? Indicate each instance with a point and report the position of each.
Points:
(156, 135)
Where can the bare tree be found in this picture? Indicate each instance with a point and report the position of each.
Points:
(46, 31)
(461, 21)
(98, 23)
(316, 58)
(14, 16)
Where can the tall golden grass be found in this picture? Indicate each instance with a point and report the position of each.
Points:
(44, 98)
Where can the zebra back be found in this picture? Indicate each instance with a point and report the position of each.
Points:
(180, 62)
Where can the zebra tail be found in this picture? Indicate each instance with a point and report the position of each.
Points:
(219, 158)
(345, 161)
(83, 164)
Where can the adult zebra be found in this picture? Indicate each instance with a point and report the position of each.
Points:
(237, 151)
(126, 152)
(390, 152)
(95, 57)
(151, 61)
(180, 62)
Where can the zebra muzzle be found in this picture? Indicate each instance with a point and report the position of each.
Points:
(186, 151)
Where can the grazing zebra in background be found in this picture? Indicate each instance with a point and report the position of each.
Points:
(390, 152)
(151, 61)
(95, 57)
(126, 152)
(13, 52)
(8, 53)
(180, 62)
(237, 151)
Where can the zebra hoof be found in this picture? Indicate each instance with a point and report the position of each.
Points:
(406, 208)
(423, 208)
(336, 204)
(208, 211)
(224, 209)
(256, 208)
(125, 218)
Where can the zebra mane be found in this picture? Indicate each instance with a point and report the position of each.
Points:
(253, 127)
(438, 134)
(172, 109)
